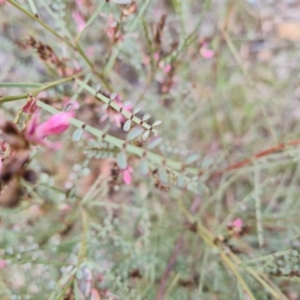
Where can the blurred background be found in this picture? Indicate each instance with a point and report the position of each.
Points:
(223, 76)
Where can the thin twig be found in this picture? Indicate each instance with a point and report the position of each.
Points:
(170, 265)
(37, 19)
(260, 154)
(44, 87)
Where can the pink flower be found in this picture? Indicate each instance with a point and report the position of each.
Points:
(79, 20)
(112, 28)
(167, 68)
(3, 264)
(64, 207)
(79, 2)
(206, 52)
(30, 106)
(127, 175)
(237, 224)
(57, 124)
(156, 56)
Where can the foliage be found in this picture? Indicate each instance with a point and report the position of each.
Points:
(178, 178)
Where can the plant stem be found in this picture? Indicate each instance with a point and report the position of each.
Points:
(162, 287)
(231, 264)
(116, 107)
(43, 87)
(75, 47)
(157, 160)
(90, 21)
(90, 64)
(260, 154)
(37, 19)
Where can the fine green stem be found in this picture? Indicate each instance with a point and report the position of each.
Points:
(90, 21)
(42, 87)
(113, 57)
(75, 47)
(20, 85)
(230, 260)
(236, 273)
(90, 64)
(37, 19)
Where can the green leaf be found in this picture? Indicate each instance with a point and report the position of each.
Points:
(113, 96)
(157, 123)
(127, 103)
(163, 175)
(33, 7)
(143, 167)
(122, 160)
(146, 117)
(77, 135)
(105, 106)
(68, 107)
(191, 158)
(127, 125)
(154, 142)
(20, 85)
(181, 181)
(79, 274)
(134, 133)
(201, 188)
(100, 155)
(136, 110)
(145, 135)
